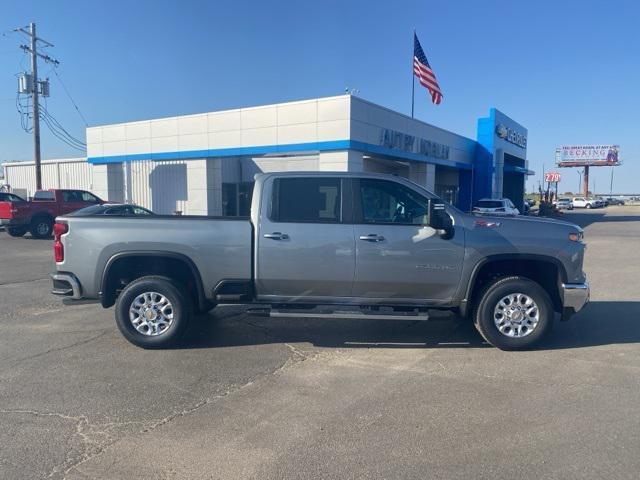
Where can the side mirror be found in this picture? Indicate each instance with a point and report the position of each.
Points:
(439, 219)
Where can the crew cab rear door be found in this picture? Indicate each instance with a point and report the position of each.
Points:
(304, 243)
(398, 256)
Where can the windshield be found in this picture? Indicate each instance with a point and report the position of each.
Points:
(10, 197)
(91, 210)
(490, 204)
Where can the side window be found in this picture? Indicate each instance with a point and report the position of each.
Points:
(307, 200)
(71, 196)
(88, 197)
(133, 210)
(390, 202)
(119, 210)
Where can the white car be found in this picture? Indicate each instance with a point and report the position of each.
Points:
(496, 206)
(583, 202)
(563, 204)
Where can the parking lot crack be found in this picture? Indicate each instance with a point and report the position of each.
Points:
(66, 347)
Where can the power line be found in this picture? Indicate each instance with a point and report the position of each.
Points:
(86, 124)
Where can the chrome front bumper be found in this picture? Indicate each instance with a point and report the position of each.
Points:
(66, 285)
(575, 296)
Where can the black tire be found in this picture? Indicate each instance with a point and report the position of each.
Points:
(16, 231)
(589, 205)
(41, 227)
(490, 297)
(181, 308)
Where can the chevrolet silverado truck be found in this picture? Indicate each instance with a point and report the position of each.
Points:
(37, 216)
(332, 245)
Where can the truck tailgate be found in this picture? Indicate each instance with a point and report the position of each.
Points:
(11, 210)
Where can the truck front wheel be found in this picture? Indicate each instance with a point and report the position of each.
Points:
(153, 312)
(514, 313)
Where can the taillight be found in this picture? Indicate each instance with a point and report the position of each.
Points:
(59, 229)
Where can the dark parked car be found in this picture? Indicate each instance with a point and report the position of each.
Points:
(113, 209)
(613, 201)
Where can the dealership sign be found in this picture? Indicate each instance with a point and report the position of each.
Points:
(511, 135)
(584, 155)
(551, 177)
(409, 143)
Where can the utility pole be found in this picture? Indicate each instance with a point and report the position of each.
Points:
(35, 84)
(36, 105)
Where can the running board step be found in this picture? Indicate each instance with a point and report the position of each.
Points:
(340, 313)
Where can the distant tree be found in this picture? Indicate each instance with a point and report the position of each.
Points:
(568, 193)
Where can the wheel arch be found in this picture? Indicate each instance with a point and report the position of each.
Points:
(107, 292)
(512, 264)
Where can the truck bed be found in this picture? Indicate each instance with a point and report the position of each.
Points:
(219, 246)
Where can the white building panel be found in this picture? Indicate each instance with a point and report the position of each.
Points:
(138, 130)
(192, 124)
(164, 127)
(298, 133)
(259, 117)
(113, 133)
(65, 173)
(224, 121)
(298, 112)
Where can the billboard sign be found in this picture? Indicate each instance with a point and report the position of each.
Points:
(551, 177)
(587, 155)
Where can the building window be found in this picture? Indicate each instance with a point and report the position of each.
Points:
(236, 199)
(448, 193)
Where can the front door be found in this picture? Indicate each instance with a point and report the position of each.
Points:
(305, 245)
(398, 256)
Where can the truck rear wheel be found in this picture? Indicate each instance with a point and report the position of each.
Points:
(16, 231)
(514, 313)
(41, 227)
(153, 312)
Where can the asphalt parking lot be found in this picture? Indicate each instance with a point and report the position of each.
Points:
(249, 397)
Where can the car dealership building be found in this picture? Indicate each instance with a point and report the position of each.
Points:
(205, 163)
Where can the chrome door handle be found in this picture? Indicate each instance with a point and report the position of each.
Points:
(276, 236)
(372, 237)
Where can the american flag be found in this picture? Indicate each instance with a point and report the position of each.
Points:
(422, 70)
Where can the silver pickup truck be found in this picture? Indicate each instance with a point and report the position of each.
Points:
(327, 245)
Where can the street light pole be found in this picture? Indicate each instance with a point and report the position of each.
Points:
(611, 186)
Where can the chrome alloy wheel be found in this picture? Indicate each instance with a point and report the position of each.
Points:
(516, 315)
(151, 313)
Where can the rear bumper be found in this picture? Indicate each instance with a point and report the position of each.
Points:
(13, 222)
(574, 297)
(66, 285)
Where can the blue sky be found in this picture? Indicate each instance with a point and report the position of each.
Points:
(567, 70)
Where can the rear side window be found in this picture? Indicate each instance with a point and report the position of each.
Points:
(307, 200)
(44, 195)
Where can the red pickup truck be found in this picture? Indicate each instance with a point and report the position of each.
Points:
(37, 216)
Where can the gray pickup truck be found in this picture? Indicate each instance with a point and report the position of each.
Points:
(337, 245)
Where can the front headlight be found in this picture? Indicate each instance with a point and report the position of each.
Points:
(576, 236)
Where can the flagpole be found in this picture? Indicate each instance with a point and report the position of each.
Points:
(413, 77)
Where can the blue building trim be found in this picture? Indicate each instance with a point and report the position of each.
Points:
(224, 152)
(266, 149)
